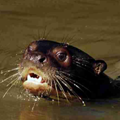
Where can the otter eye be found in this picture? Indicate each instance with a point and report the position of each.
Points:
(61, 56)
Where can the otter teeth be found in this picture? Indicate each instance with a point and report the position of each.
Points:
(38, 80)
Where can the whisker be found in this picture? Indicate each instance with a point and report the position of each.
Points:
(64, 39)
(7, 71)
(19, 82)
(44, 33)
(11, 82)
(33, 106)
(56, 91)
(14, 69)
(71, 39)
(70, 88)
(69, 94)
(81, 88)
(39, 36)
(21, 91)
(9, 89)
(50, 83)
(62, 89)
(65, 74)
(47, 34)
(33, 37)
(76, 84)
(10, 77)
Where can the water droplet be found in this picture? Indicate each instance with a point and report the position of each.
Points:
(53, 100)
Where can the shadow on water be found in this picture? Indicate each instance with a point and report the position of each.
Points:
(92, 25)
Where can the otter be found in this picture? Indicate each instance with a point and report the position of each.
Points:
(49, 68)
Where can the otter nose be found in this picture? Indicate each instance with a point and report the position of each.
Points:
(38, 58)
(42, 59)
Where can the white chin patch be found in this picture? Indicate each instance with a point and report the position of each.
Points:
(34, 80)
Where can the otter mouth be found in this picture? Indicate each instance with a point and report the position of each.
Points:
(34, 78)
(34, 82)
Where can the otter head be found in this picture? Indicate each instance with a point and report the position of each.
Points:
(56, 69)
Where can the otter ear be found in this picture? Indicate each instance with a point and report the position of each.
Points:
(99, 66)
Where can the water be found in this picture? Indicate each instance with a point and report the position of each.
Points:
(91, 25)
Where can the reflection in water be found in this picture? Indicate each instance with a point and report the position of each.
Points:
(16, 109)
(95, 25)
